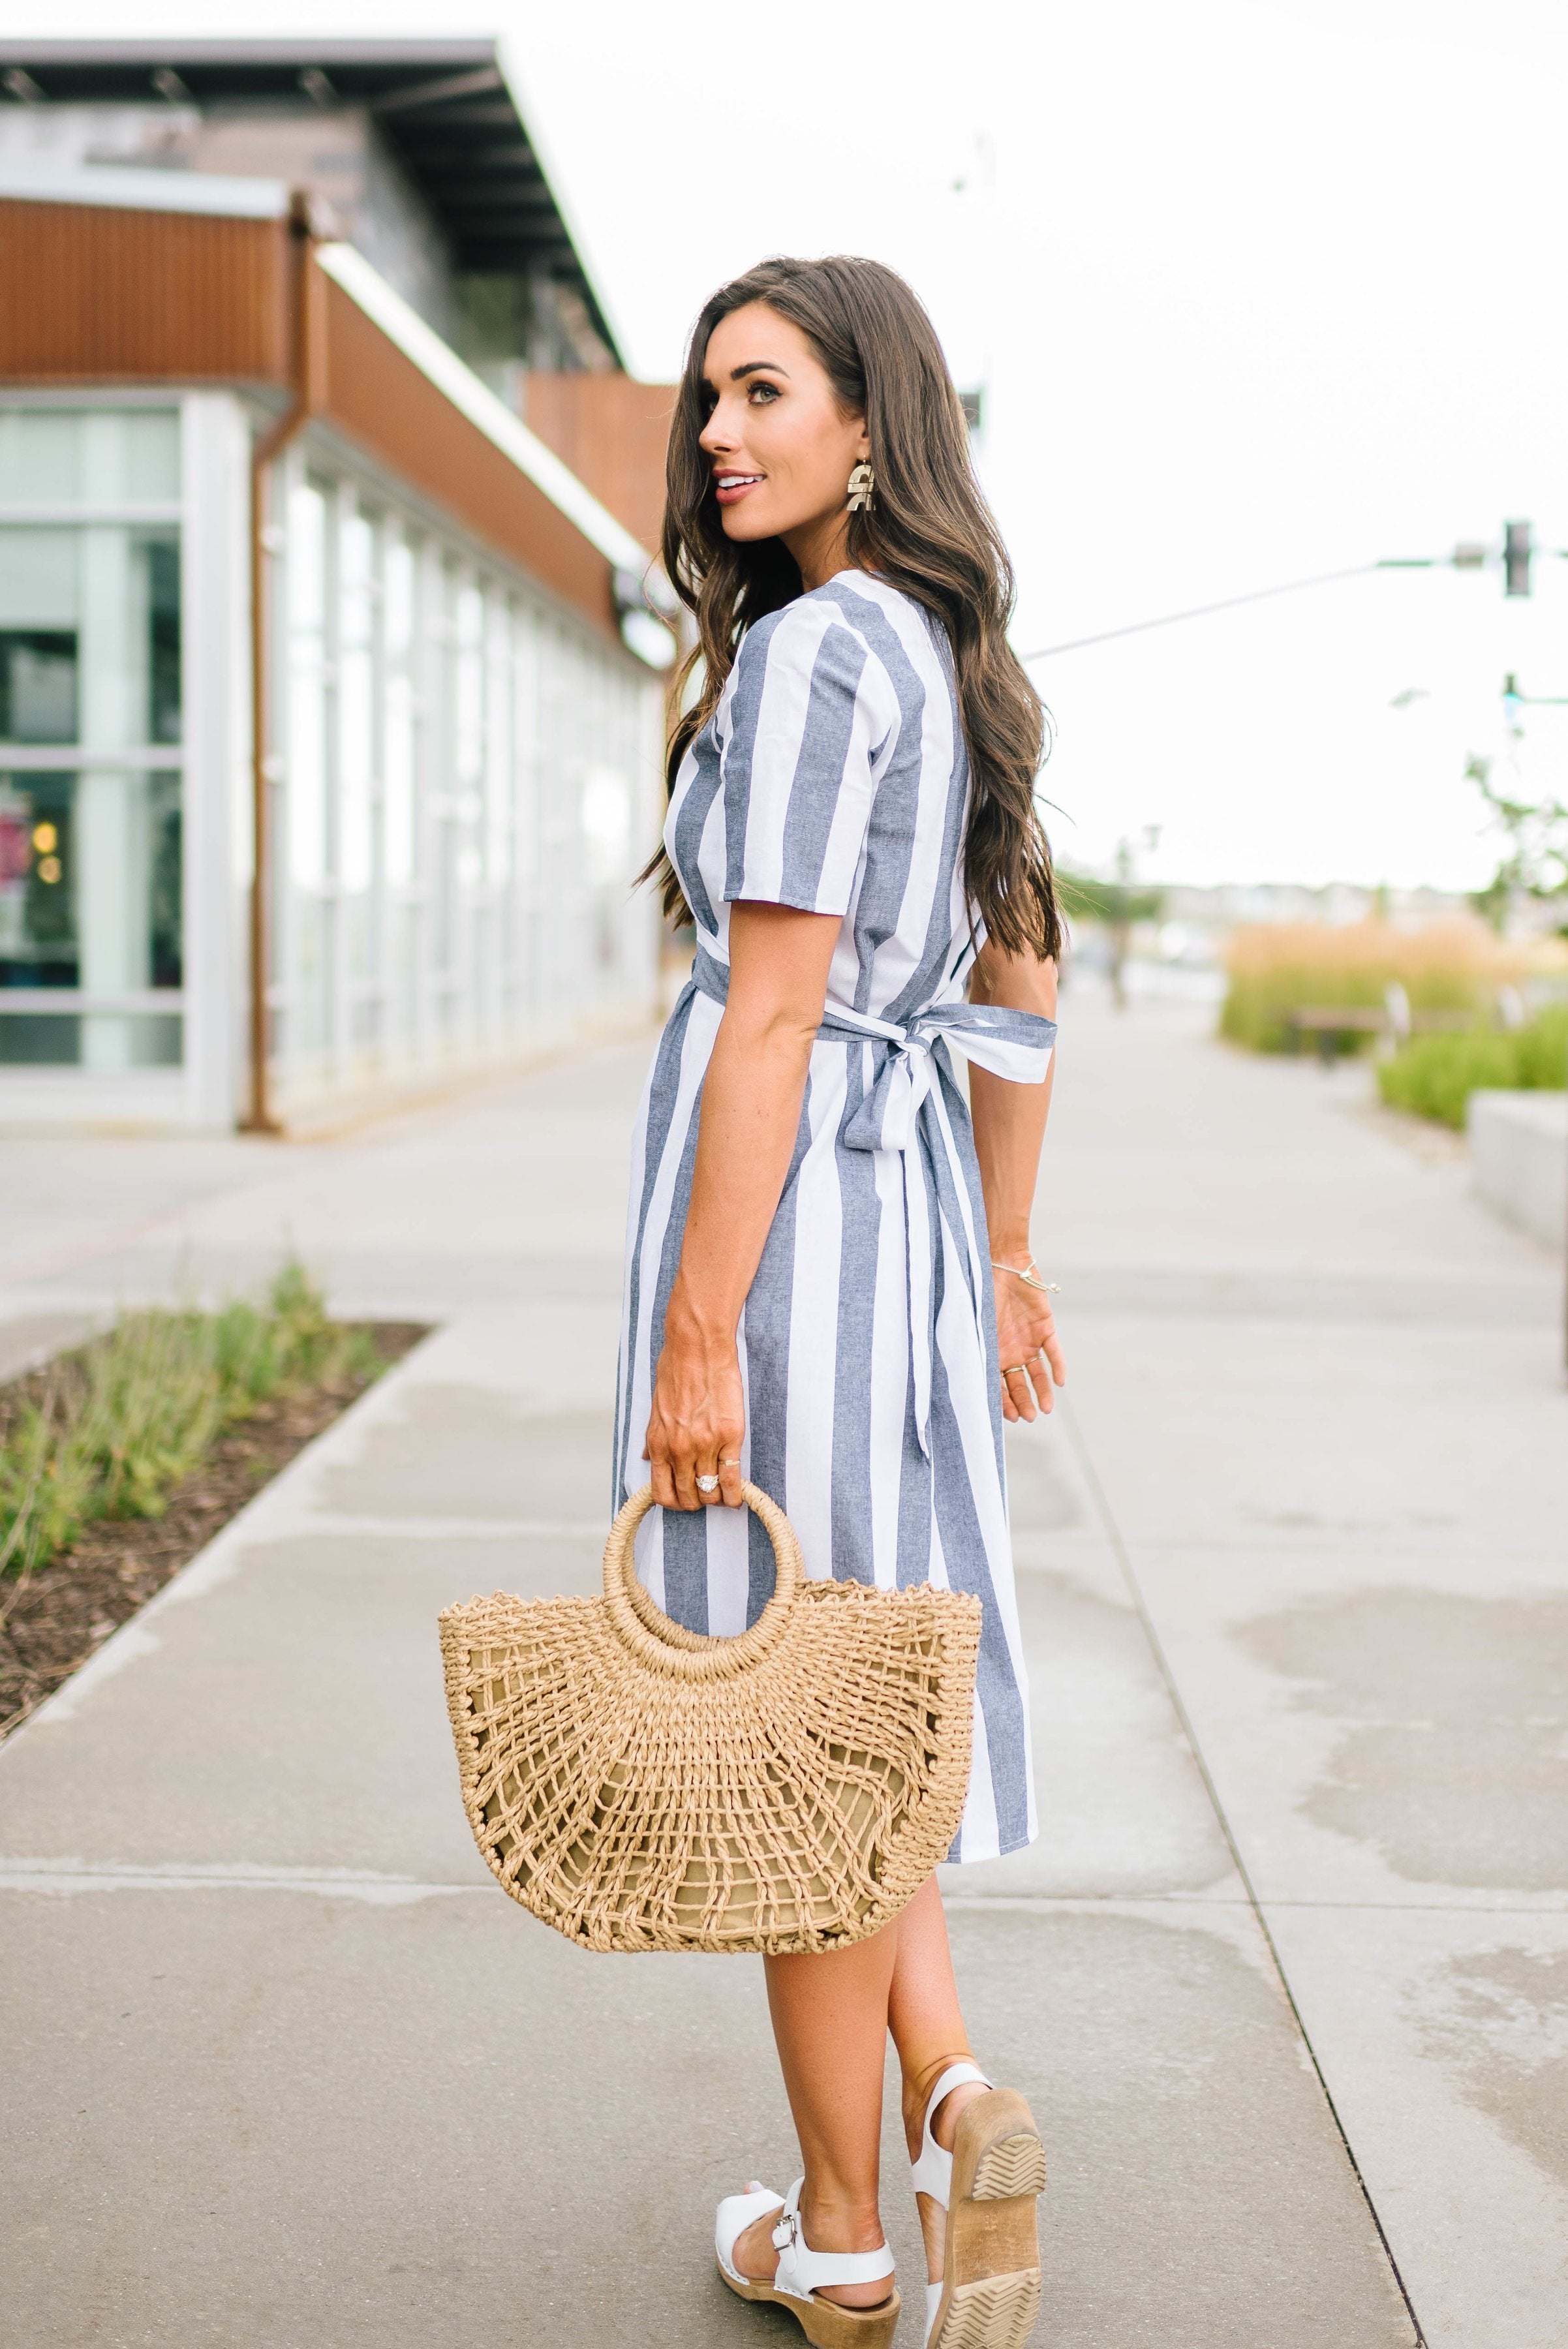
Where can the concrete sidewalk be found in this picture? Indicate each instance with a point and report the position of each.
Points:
(287, 2069)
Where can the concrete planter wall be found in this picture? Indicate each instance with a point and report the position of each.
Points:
(1519, 1151)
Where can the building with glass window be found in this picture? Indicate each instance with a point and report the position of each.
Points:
(330, 697)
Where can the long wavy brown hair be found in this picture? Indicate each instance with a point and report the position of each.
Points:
(928, 531)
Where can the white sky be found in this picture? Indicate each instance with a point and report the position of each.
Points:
(1258, 288)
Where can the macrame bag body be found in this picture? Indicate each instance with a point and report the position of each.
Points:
(640, 1787)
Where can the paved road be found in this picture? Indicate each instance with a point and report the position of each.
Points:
(284, 2067)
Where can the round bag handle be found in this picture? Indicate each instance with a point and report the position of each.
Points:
(668, 1647)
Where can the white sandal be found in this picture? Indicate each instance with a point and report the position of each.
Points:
(825, 2324)
(989, 2296)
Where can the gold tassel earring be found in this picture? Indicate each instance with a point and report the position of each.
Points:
(862, 482)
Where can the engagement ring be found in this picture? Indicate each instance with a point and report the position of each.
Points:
(707, 1484)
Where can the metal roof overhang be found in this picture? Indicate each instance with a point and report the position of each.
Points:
(443, 107)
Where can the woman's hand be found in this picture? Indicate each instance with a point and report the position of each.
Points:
(1009, 1128)
(697, 1418)
(1026, 1330)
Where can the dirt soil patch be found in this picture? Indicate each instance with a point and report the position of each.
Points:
(52, 1620)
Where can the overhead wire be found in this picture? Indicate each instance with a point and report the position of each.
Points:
(1201, 611)
(1262, 596)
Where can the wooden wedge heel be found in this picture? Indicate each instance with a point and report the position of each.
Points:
(800, 2271)
(989, 2296)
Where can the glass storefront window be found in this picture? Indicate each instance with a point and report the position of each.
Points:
(309, 1022)
(90, 881)
(500, 757)
(402, 747)
(89, 900)
(526, 725)
(89, 636)
(456, 764)
(357, 698)
(358, 707)
(37, 872)
(308, 684)
(460, 794)
(62, 456)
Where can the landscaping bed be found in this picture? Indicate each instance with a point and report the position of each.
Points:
(121, 1459)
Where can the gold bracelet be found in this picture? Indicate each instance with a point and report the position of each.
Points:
(1030, 1278)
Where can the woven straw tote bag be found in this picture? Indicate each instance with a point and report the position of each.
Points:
(640, 1787)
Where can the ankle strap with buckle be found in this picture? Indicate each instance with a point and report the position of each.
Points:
(801, 2270)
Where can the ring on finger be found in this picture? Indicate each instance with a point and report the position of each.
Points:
(707, 1484)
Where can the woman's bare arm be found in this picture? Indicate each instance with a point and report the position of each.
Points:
(751, 1114)
(1009, 1130)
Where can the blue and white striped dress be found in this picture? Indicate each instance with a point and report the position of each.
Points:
(834, 777)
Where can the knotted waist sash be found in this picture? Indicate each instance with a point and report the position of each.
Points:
(902, 1106)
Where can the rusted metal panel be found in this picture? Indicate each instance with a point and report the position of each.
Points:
(94, 294)
(379, 399)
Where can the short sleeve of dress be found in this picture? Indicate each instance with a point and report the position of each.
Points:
(807, 712)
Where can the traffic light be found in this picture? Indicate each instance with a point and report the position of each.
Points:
(1516, 550)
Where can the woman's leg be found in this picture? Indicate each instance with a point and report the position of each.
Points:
(830, 2020)
(928, 2028)
(831, 2015)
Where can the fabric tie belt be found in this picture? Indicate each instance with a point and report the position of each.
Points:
(903, 1103)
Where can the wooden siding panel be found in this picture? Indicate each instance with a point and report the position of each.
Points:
(380, 400)
(613, 432)
(92, 293)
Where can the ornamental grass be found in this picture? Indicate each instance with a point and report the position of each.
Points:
(1275, 968)
(111, 1429)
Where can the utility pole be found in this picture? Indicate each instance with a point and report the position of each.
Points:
(1513, 700)
(1518, 546)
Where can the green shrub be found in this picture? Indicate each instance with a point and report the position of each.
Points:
(1543, 1048)
(1434, 1076)
(110, 1429)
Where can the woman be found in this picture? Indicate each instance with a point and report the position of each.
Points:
(822, 1264)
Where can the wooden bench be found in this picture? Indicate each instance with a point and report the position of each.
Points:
(1327, 1022)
